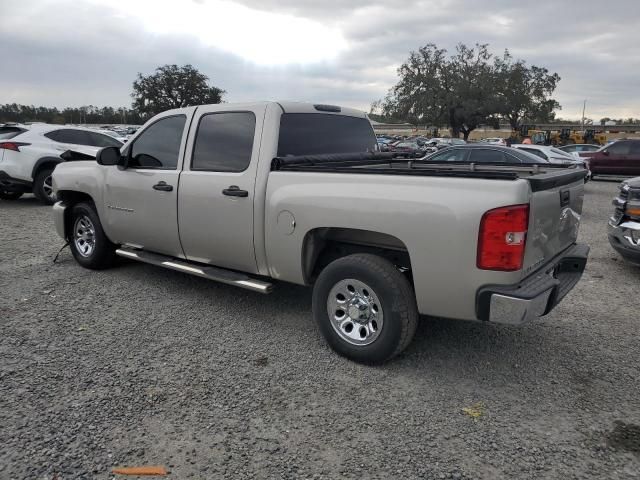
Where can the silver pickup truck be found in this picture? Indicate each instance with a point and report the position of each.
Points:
(248, 194)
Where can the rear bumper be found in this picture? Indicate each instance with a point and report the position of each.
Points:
(11, 184)
(536, 295)
(625, 239)
(58, 218)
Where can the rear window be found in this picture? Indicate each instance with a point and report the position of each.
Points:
(318, 133)
(10, 132)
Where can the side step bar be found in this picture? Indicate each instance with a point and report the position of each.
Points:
(211, 273)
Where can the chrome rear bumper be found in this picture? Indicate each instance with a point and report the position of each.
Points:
(536, 295)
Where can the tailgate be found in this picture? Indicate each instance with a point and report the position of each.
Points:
(554, 215)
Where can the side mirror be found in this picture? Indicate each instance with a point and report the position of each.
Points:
(108, 156)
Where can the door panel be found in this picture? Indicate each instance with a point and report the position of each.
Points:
(216, 219)
(142, 200)
(138, 214)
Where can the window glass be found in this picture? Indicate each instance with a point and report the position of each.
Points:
(159, 145)
(318, 133)
(559, 152)
(100, 140)
(635, 148)
(10, 132)
(536, 152)
(68, 135)
(619, 148)
(481, 155)
(224, 142)
(449, 155)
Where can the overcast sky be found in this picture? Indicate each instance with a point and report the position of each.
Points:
(81, 52)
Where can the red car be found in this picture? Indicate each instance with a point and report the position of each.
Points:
(618, 158)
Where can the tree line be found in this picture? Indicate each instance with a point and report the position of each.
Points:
(467, 88)
(170, 86)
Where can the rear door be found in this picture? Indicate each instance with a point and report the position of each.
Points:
(615, 161)
(216, 196)
(141, 201)
(633, 162)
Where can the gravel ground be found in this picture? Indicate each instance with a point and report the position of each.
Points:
(138, 365)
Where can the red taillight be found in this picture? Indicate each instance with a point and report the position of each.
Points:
(15, 146)
(503, 234)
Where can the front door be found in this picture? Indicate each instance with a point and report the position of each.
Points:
(141, 201)
(615, 160)
(216, 195)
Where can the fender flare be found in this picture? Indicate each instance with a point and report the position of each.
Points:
(43, 161)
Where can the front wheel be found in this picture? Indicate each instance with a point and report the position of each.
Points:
(10, 195)
(89, 245)
(365, 308)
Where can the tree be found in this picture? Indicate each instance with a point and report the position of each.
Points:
(173, 87)
(436, 89)
(524, 91)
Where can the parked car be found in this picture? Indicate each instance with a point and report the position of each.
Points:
(406, 147)
(441, 143)
(241, 193)
(575, 149)
(624, 224)
(550, 154)
(618, 158)
(494, 141)
(481, 153)
(28, 155)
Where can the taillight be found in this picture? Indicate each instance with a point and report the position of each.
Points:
(503, 234)
(15, 146)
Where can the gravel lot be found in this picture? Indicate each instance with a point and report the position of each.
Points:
(138, 365)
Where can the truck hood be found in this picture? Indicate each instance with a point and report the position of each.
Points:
(633, 182)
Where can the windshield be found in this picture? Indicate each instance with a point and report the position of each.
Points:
(319, 133)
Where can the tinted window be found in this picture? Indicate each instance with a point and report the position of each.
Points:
(224, 142)
(67, 135)
(481, 155)
(449, 155)
(635, 148)
(317, 133)
(159, 145)
(100, 140)
(535, 152)
(10, 132)
(619, 148)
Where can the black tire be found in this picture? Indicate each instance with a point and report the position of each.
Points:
(102, 253)
(41, 186)
(392, 289)
(10, 195)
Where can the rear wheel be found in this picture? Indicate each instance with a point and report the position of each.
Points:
(10, 195)
(365, 308)
(43, 187)
(89, 245)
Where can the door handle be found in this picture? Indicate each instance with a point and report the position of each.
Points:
(234, 191)
(163, 186)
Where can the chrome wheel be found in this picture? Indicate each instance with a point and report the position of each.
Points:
(47, 187)
(355, 312)
(84, 236)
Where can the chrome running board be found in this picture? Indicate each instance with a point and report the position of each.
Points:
(204, 271)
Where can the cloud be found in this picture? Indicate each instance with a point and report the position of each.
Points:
(337, 51)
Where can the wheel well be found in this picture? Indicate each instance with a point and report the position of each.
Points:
(71, 198)
(324, 245)
(46, 162)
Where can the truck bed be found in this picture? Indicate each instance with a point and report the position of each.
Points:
(540, 176)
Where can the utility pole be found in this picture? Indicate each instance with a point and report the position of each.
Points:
(584, 106)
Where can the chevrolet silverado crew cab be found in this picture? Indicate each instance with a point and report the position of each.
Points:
(260, 193)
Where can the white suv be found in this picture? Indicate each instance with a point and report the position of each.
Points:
(29, 153)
